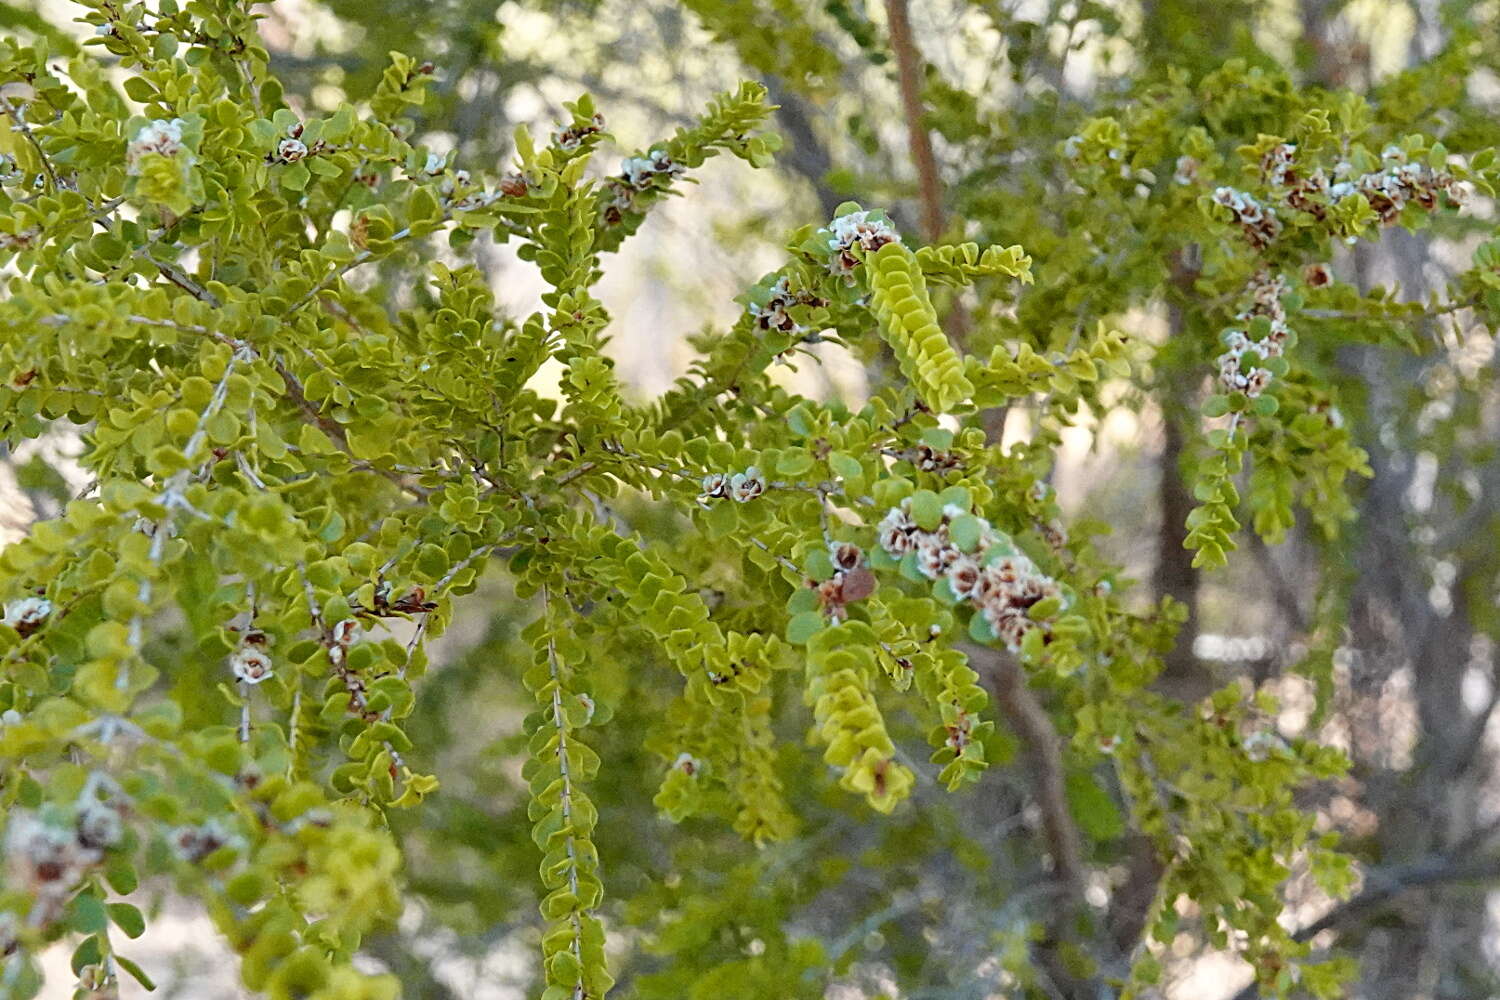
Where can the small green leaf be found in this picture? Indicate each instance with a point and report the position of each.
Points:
(803, 626)
(127, 918)
(136, 973)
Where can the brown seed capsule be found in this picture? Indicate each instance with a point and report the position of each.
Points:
(858, 584)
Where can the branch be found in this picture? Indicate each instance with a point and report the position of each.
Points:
(1381, 886)
(909, 71)
(1044, 753)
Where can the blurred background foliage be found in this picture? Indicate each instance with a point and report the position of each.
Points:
(940, 900)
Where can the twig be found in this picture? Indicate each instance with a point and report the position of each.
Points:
(21, 126)
(1383, 886)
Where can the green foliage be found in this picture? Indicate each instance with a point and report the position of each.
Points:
(309, 430)
(898, 295)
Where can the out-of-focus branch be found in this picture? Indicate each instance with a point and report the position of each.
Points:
(1464, 862)
(1044, 758)
(1174, 576)
(909, 71)
(1066, 923)
(807, 154)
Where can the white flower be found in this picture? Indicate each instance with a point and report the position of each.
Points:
(435, 164)
(639, 170)
(845, 555)
(715, 487)
(250, 665)
(347, 632)
(963, 577)
(746, 486)
(291, 150)
(935, 555)
(194, 843)
(688, 764)
(1187, 170)
(45, 859)
(160, 137)
(10, 717)
(27, 614)
(99, 825)
(1260, 744)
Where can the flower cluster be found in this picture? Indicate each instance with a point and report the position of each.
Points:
(459, 192)
(742, 486)
(1278, 165)
(163, 138)
(572, 137)
(1258, 222)
(639, 171)
(1265, 302)
(291, 149)
(250, 663)
(851, 581)
(925, 458)
(47, 859)
(19, 241)
(1002, 586)
(1306, 193)
(864, 229)
(1397, 183)
(194, 843)
(773, 314)
(637, 174)
(1388, 190)
(27, 614)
